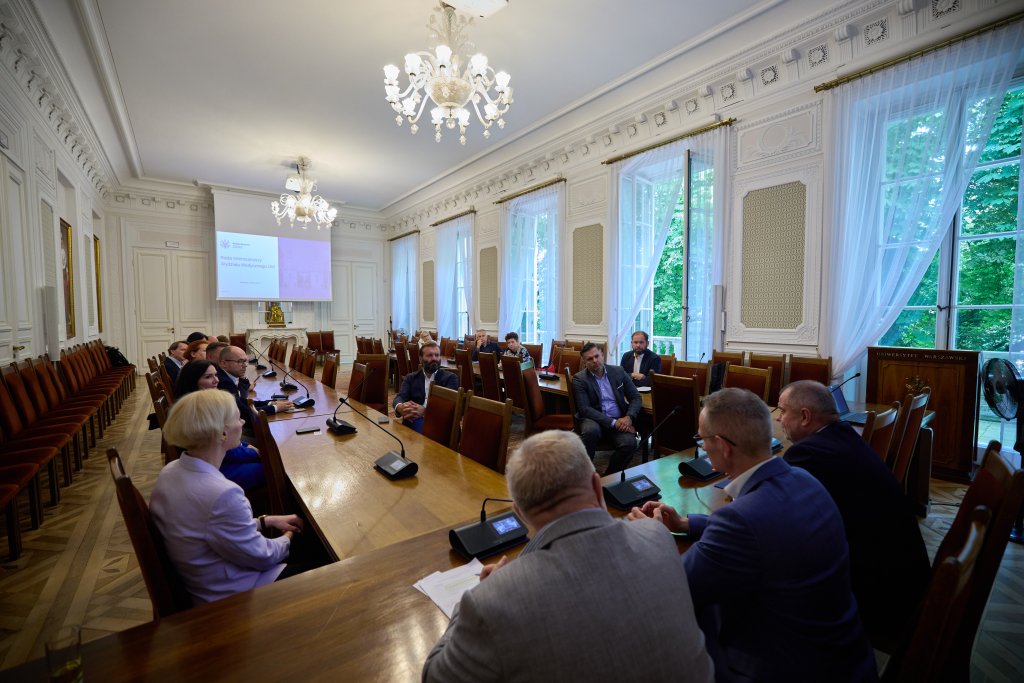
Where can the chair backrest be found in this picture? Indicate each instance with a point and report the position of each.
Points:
(908, 426)
(309, 363)
(670, 393)
(535, 351)
(756, 380)
(943, 608)
(515, 390)
(777, 364)
(698, 372)
(731, 357)
(570, 358)
(490, 382)
(356, 382)
(375, 391)
(572, 400)
(237, 340)
(668, 363)
(534, 399)
(273, 468)
(818, 369)
(879, 428)
(402, 358)
(413, 355)
(485, 427)
(165, 379)
(160, 407)
(377, 346)
(556, 357)
(164, 585)
(465, 365)
(327, 341)
(442, 415)
(999, 487)
(329, 375)
(153, 363)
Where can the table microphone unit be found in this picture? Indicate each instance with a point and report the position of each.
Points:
(392, 465)
(629, 493)
(489, 536)
(260, 366)
(306, 402)
(341, 427)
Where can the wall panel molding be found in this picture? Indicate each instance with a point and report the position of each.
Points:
(588, 275)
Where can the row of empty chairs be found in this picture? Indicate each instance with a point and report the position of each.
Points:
(369, 345)
(893, 433)
(48, 411)
(475, 427)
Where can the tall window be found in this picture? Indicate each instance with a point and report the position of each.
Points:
(529, 293)
(453, 277)
(966, 298)
(404, 280)
(462, 325)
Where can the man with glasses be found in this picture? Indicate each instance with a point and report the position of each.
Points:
(231, 372)
(608, 405)
(769, 572)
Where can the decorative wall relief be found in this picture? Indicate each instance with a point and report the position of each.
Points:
(488, 285)
(780, 137)
(588, 275)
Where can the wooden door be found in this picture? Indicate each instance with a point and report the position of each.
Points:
(354, 309)
(172, 297)
(17, 315)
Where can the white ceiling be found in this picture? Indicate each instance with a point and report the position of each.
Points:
(230, 92)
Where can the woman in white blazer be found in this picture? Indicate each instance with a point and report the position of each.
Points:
(207, 524)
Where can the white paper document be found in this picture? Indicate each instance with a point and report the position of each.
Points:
(446, 588)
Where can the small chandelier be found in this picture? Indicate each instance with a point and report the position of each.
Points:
(303, 206)
(451, 88)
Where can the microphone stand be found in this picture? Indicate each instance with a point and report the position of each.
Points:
(270, 373)
(255, 361)
(340, 427)
(392, 465)
(627, 493)
(306, 402)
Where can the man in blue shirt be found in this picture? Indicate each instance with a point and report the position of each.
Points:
(607, 404)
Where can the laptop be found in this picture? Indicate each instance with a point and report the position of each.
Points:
(845, 414)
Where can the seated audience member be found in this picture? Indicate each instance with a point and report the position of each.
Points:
(889, 567)
(196, 350)
(224, 338)
(213, 351)
(641, 361)
(212, 338)
(484, 345)
(231, 378)
(769, 572)
(241, 464)
(411, 399)
(195, 336)
(607, 404)
(514, 348)
(175, 359)
(570, 607)
(207, 525)
(424, 338)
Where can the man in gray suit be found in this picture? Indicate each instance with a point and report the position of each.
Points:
(607, 404)
(571, 607)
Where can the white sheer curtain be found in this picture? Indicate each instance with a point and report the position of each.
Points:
(906, 141)
(404, 280)
(646, 189)
(453, 281)
(530, 228)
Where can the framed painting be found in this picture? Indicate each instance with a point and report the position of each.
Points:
(99, 282)
(68, 274)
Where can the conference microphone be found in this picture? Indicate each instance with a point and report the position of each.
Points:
(701, 359)
(269, 373)
(841, 384)
(341, 427)
(628, 493)
(489, 536)
(259, 365)
(306, 402)
(392, 465)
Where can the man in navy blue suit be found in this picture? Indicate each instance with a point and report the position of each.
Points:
(231, 364)
(411, 400)
(608, 406)
(769, 572)
(640, 362)
(888, 561)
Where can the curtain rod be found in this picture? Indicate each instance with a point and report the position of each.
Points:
(404, 234)
(677, 138)
(451, 218)
(829, 85)
(528, 190)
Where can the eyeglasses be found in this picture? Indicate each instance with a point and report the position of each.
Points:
(700, 439)
(233, 360)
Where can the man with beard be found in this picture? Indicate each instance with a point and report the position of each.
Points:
(411, 400)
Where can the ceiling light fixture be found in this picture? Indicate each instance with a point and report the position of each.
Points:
(451, 88)
(303, 206)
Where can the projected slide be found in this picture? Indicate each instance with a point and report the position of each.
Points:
(267, 267)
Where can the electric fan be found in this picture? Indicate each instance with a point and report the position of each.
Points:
(1004, 391)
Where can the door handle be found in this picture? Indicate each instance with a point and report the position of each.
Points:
(19, 348)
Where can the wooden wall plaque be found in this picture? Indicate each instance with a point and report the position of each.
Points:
(954, 380)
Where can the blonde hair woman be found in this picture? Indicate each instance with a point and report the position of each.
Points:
(207, 524)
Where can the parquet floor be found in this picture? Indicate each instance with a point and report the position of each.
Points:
(78, 568)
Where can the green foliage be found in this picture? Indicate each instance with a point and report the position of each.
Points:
(668, 280)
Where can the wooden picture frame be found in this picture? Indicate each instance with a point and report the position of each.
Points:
(67, 254)
(99, 283)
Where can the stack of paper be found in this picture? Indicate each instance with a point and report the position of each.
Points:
(446, 588)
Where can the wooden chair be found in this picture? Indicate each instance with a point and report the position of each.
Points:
(556, 358)
(164, 585)
(327, 342)
(315, 343)
(731, 357)
(356, 381)
(537, 418)
(153, 363)
(443, 414)
(668, 363)
(753, 379)
(926, 657)
(908, 426)
(574, 345)
(681, 394)
(161, 409)
(238, 340)
(375, 389)
(309, 363)
(9, 502)
(818, 369)
(535, 351)
(329, 375)
(465, 365)
(402, 359)
(413, 355)
(605, 444)
(485, 427)
(490, 380)
(515, 390)
(295, 359)
(278, 493)
(571, 359)
(698, 372)
(879, 428)
(378, 346)
(777, 364)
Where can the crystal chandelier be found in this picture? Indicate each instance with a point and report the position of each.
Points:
(451, 88)
(303, 206)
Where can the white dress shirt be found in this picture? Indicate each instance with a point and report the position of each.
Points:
(734, 487)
